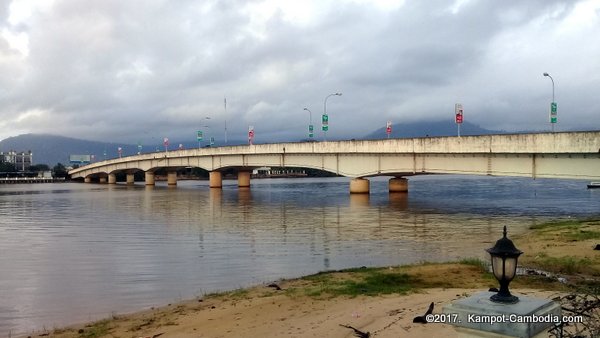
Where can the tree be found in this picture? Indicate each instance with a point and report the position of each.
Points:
(7, 167)
(60, 170)
(39, 167)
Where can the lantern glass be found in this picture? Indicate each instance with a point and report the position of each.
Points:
(498, 267)
(510, 267)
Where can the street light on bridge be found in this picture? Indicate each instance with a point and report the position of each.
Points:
(553, 107)
(325, 121)
(310, 125)
(199, 136)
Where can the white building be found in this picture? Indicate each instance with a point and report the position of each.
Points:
(22, 161)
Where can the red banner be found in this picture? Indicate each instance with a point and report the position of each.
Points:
(250, 134)
(459, 118)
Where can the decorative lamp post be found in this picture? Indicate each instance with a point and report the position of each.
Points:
(325, 122)
(310, 125)
(504, 265)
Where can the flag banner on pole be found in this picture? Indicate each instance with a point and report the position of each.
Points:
(250, 134)
(166, 142)
(553, 112)
(388, 127)
(458, 110)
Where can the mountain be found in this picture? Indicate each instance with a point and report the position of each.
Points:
(52, 149)
(430, 128)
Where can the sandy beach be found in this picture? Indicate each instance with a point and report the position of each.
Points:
(263, 313)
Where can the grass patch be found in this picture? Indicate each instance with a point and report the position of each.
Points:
(355, 282)
(376, 283)
(567, 264)
(564, 247)
(235, 294)
(556, 224)
(476, 262)
(568, 226)
(97, 329)
(583, 235)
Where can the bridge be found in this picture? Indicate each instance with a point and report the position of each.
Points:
(565, 155)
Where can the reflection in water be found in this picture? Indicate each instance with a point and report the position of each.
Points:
(398, 200)
(359, 200)
(78, 252)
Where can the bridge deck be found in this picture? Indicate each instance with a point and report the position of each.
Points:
(558, 155)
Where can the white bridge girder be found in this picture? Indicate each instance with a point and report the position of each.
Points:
(573, 155)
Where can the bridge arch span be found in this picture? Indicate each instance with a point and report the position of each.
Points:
(570, 155)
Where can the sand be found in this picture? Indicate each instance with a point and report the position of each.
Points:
(266, 313)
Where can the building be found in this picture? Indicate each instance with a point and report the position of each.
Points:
(22, 161)
(278, 172)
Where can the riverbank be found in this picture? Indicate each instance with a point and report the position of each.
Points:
(382, 301)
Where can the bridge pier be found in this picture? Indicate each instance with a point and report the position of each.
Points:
(398, 184)
(244, 179)
(112, 179)
(359, 186)
(130, 179)
(87, 179)
(215, 179)
(102, 179)
(149, 177)
(172, 178)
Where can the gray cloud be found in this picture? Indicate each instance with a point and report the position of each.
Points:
(129, 70)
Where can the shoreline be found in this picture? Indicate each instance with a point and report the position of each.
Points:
(302, 308)
(262, 311)
(313, 306)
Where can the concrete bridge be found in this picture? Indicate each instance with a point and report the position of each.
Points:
(566, 155)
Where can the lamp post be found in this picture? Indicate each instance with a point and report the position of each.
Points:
(206, 135)
(325, 121)
(552, 105)
(225, 110)
(504, 265)
(199, 136)
(310, 125)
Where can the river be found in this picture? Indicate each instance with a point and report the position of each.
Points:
(73, 252)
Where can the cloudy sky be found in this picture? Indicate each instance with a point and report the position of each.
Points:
(131, 70)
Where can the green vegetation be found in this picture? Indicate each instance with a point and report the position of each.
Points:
(583, 235)
(566, 264)
(39, 167)
(60, 170)
(7, 167)
(564, 247)
(377, 283)
(235, 294)
(476, 262)
(97, 329)
(569, 226)
(354, 282)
